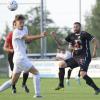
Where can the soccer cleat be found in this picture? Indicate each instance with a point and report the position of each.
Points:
(37, 96)
(67, 82)
(59, 88)
(97, 91)
(25, 88)
(14, 91)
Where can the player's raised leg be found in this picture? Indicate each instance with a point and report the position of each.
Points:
(10, 82)
(6, 85)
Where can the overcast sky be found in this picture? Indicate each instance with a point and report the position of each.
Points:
(63, 12)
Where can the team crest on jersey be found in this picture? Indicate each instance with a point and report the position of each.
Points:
(77, 43)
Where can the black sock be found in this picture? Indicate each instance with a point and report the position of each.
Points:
(13, 86)
(69, 74)
(79, 73)
(90, 82)
(25, 77)
(61, 76)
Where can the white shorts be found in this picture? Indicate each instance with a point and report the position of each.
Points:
(65, 55)
(22, 65)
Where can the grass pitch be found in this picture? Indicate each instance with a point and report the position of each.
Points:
(72, 92)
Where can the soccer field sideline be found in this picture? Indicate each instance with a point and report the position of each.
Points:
(73, 92)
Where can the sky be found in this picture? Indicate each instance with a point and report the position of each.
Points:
(63, 12)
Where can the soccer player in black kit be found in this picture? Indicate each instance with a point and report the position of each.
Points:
(80, 46)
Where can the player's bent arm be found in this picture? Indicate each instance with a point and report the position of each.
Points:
(95, 46)
(59, 42)
(60, 48)
(6, 47)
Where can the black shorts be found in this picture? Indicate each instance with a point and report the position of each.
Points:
(10, 60)
(83, 63)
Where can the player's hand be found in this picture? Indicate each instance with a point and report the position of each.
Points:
(53, 34)
(11, 51)
(94, 55)
(44, 34)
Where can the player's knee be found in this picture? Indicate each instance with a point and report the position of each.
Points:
(34, 71)
(82, 73)
(62, 64)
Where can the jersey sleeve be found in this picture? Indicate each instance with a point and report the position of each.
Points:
(68, 38)
(89, 37)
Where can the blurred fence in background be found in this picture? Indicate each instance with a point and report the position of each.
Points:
(3, 66)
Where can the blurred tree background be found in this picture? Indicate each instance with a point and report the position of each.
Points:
(93, 23)
(33, 23)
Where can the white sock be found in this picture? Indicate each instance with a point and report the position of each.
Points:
(36, 81)
(6, 85)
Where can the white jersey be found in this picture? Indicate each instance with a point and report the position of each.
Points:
(19, 45)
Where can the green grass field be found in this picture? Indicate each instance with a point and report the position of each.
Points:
(74, 92)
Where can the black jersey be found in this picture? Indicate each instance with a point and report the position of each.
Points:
(80, 43)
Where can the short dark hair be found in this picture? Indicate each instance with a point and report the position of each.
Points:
(19, 17)
(78, 23)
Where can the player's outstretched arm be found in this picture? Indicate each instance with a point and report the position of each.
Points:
(95, 46)
(58, 41)
(34, 37)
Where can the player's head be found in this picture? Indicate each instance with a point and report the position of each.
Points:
(77, 27)
(19, 21)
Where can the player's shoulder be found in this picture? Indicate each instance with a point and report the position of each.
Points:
(87, 35)
(84, 32)
(15, 31)
(9, 34)
(71, 34)
(25, 28)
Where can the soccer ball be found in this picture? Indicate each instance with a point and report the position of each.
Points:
(12, 5)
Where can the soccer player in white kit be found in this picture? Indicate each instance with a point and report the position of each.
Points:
(20, 59)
